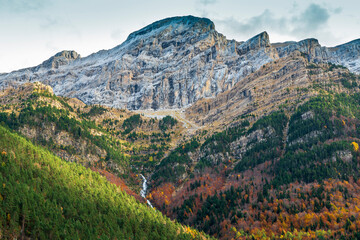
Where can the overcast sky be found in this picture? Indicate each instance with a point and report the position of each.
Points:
(31, 31)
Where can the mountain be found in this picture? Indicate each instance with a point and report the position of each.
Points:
(44, 197)
(170, 64)
(241, 140)
(286, 169)
(101, 138)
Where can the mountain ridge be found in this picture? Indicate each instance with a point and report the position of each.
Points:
(171, 64)
(254, 140)
(193, 22)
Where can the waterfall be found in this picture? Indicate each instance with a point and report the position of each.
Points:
(144, 189)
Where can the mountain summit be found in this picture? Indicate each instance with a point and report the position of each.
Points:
(171, 63)
(178, 24)
(60, 59)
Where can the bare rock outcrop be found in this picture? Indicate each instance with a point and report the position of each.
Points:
(170, 64)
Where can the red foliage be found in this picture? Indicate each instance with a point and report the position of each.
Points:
(118, 182)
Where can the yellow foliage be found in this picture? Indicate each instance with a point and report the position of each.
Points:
(355, 146)
(190, 231)
(3, 153)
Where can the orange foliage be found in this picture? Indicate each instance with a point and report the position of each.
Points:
(118, 182)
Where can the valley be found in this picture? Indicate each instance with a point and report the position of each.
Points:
(237, 140)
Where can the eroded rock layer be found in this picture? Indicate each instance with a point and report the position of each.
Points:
(171, 64)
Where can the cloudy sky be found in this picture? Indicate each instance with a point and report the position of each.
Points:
(33, 30)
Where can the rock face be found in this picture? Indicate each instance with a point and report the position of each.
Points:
(348, 55)
(60, 59)
(171, 63)
(260, 91)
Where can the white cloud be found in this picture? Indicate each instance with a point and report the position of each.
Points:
(311, 22)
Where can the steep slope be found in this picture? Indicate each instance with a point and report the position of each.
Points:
(349, 53)
(44, 197)
(105, 139)
(290, 172)
(260, 92)
(168, 64)
(171, 63)
(269, 142)
(286, 80)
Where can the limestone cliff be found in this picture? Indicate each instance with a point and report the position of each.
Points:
(170, 64)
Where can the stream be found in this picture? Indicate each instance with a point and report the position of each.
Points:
(143, 191)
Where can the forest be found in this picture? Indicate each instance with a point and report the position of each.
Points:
(44, 197)
(293, 172)
(299, 178)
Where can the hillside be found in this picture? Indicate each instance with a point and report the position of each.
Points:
(286, 168)
(240, 140)
(290, 172)
(95, 136)
(44, 197)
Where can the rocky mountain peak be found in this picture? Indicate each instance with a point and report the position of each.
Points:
(177, 24)
(261, 40)
(171, 63)
(61, 58)
(350, 55)
(310, 47)
(70, 55)
(355, 42)
(310, 43)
